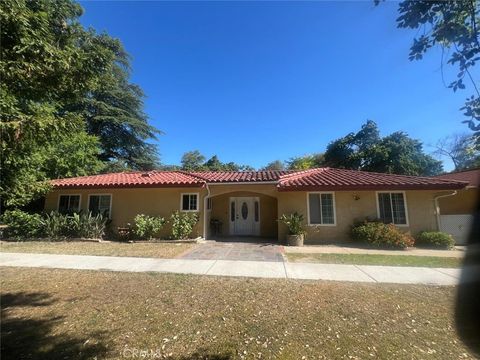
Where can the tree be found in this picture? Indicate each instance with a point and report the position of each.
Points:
(461, 149)
(192, 161)
(453, 26)
(51, 69)
(306, 162)
(274, 165)
(114, 113)
(366, 150)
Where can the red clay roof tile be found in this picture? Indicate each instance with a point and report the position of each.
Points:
(312, 180)
(470, 176)
(341, 179)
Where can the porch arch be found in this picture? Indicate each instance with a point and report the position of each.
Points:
(220, 212)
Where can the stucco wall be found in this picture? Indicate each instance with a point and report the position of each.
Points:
(126, 203)
(268, 212)
(420, 208)
(464, 202)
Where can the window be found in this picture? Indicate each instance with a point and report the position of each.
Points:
(189, 202)
(391, 208)
(257, 211)
(100, 204)
(321, 209)
(68, 203)
(209, 204)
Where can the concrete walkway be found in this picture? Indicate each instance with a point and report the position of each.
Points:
(261, 269)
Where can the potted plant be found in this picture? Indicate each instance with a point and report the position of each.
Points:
(296, 232)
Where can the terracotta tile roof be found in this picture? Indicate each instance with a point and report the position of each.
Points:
(313, 179)
(341, 179)
(470, 176)
(241, 176)
(131, 179)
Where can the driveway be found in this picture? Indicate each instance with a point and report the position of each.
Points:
(236, 250)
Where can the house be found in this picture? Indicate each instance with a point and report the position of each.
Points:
(249, 203)
(456, 212)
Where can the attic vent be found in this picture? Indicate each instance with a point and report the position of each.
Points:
(146, 174)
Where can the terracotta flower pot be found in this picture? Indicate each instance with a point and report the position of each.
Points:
(295, 240)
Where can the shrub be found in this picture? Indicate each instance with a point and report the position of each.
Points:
(86, 225)
(381, 235)
(55, 225)
(435, 239)
(294, 223)
(21, 224)
(147, 227)
(182, 224)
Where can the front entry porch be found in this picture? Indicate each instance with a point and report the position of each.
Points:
(242, 216)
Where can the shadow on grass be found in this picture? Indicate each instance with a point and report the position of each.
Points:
(28, 338)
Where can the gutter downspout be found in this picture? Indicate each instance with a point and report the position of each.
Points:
(437, 207)
(205, 211)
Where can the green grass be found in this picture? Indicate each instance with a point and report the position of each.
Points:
(70, 314)
(374, 259)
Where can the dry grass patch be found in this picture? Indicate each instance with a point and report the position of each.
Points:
(58, 314)
(154, 250)
(375, 259)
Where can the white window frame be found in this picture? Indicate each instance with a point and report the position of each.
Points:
(79, 201)
(106, 194)
(334, 207)
(404, 201)
(198, 202)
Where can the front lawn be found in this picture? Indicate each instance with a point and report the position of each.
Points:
(63, 314)
(375, 259)
(154, 250)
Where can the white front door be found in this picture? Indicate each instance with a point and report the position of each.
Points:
(244, 216)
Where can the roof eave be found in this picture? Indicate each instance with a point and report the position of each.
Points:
(370, 187)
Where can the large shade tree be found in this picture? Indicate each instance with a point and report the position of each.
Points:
(366, 150)
(64, 96)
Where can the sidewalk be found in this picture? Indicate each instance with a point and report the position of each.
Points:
(261, 269)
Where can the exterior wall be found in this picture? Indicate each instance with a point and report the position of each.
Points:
(126, 203)
(420, 209)
(268, 212)
(464, 202)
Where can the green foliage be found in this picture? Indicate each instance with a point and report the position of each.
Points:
(306, 162)
(294, 223)
(192, 161)
(21, 225)
(147, 227)
(452, 26)
(182, 224)
(461, 149)
(435, 239)
(52, 72)
(195, 161)
(275, 165)
(55, 225)
(86, 225)
(396, 153)
(381, 235)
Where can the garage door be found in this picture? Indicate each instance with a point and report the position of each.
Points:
(458, 226)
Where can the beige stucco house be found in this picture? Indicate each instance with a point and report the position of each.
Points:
(235, 204)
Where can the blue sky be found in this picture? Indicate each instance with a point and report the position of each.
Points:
(255, 82)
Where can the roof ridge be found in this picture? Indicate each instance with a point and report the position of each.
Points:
(194, 176)
(300, 173)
